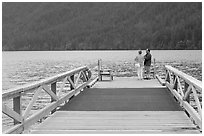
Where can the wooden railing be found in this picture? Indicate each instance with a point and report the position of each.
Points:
(187, 90)
(78, 79)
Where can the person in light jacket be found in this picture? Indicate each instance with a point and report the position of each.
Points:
(139, 61)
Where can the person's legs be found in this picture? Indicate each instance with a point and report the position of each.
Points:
(139, 76)
(145, 72)
(138, 72)
(148, 72)
(141, 72)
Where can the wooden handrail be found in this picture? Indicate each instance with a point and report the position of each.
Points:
(187, 78)
(22, 120)
(182, 93)
(13, 92)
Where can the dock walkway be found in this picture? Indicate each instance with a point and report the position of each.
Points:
(124, 105)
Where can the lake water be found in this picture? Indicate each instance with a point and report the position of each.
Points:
(27, 66)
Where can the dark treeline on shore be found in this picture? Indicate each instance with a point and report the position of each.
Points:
(86, 26)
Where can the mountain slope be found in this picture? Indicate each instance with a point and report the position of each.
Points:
(61, 26)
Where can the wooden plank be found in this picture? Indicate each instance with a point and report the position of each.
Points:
(100, 121)
(115, 126)
(129, 82)
(139, 117)
(128, 117)
(85, 126)
(114, 121)
(109, 121)
(173, 119)
(123, 114)
(115, 132)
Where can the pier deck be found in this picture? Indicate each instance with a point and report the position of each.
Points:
(124, 105)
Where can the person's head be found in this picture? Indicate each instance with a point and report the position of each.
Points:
(140, 52)
(147, 50)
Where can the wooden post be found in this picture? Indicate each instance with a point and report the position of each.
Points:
(99, 70)
(154, 68)
(72, 78)
(185, 89)
(176, 83)
(89, 74)
(17, 106)
(111, 74)
(174, 77)
(84, 73)
(53, 88)
(167, 76)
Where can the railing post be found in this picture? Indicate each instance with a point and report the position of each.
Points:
(85, 75)
(167, 76)
(154, 68)
(17, 106)
(72, 78)
(175, 86)
(99, 70)
(185, 89)
(53, 88)
(89, 74)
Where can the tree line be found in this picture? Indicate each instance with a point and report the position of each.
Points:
(101, 26)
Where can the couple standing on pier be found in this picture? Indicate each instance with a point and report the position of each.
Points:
(143, 61)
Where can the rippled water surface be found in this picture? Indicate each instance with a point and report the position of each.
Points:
(28, 66)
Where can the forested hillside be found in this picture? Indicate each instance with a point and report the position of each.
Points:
(80, 26)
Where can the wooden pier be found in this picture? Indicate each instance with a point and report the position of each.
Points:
(122, 105)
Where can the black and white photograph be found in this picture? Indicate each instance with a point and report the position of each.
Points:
(101, 67)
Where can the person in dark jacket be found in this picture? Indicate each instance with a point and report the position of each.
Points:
(147, 63)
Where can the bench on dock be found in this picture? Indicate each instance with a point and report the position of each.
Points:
(124, 105)
(104, 71)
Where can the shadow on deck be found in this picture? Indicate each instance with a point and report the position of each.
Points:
(123, 99)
